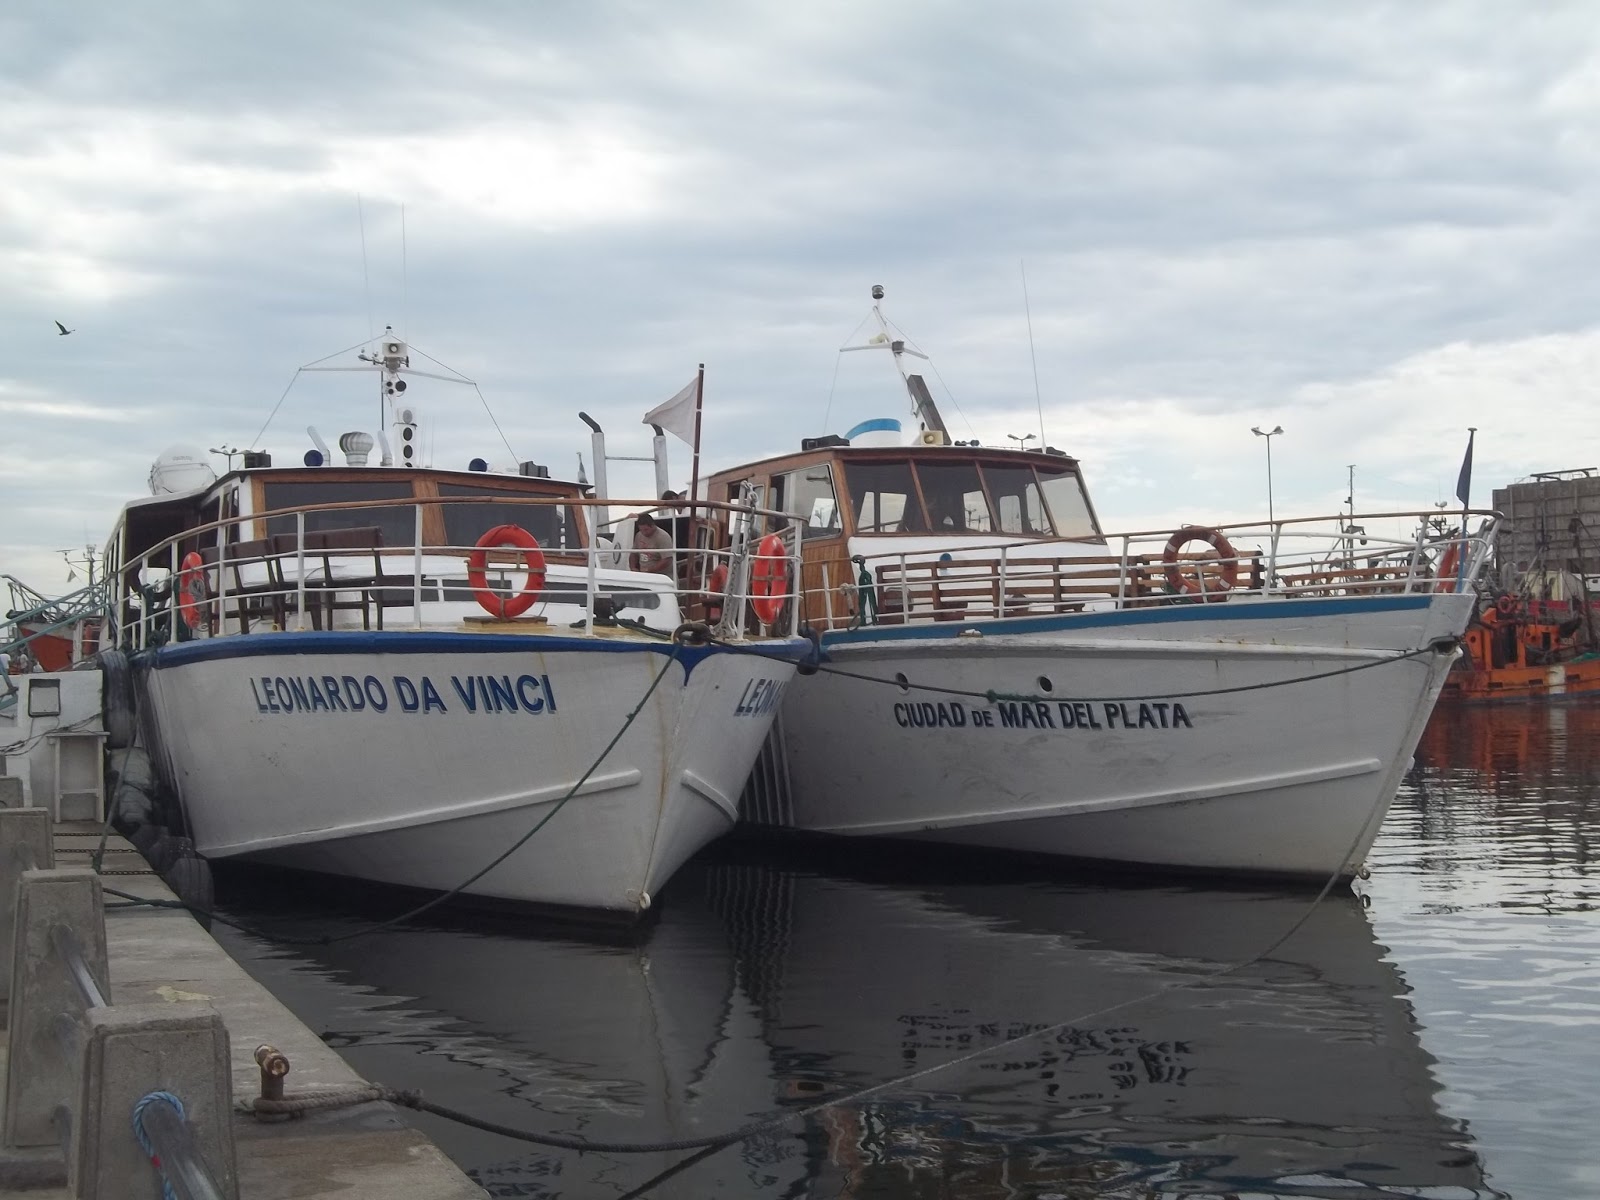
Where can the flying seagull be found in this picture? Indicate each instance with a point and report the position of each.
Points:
(64, 330)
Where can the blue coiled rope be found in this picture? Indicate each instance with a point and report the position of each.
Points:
(143, 1138)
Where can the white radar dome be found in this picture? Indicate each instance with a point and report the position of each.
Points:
(181, 469)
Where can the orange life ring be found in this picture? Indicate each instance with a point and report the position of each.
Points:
(192, 589)
(1178, 582)
(716, 588)
(493, 603)
(769, 579)
(1445, 576)
(1506, 605)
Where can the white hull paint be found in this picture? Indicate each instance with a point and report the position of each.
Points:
(415, 778)
(1276, 780)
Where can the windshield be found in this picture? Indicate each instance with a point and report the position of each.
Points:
(960, 496)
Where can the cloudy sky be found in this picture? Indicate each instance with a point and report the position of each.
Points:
(1373, 224)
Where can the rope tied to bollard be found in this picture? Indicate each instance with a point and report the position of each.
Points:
(142, 1136)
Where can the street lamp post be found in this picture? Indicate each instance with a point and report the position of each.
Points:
(1269, 434)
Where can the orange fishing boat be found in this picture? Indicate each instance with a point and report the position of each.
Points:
(1520, 648)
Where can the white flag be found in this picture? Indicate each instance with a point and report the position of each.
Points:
(676, 416)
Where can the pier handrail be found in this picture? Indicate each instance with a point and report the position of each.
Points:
(75, 1056)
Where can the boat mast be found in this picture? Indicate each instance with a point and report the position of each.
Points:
(922, 405)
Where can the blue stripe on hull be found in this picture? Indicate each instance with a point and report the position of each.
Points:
(258, 645)
(1269, 610)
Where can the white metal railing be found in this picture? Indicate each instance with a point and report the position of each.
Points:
(962, 578)
(249, 580)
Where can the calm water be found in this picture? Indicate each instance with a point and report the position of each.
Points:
(1441, 1043)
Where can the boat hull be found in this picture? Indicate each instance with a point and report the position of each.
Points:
(417, 759)
(1218, 762)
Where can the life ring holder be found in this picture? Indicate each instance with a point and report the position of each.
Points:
(1178, 582)
(769, 579)
(516, 537)
(192, 589)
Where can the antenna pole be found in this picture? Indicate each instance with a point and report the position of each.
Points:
(405, 326)
(1027, 310)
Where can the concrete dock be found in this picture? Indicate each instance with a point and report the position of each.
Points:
(163, 956)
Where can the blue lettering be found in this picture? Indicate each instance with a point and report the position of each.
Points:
(549, 696)
(468, 694)
(900, 716)
(1008, 714)
(501, 692)
(1069, 715)
(528, 693)
(330, 687)
(318, 700)
(1180, 717)
(353, 694)
(301, 704)
(1111, 714)
(260, 707)
(406, 692)
(1147, 719)
(430, 696)
(280, 685)
(376, 696)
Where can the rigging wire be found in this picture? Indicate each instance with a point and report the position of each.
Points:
(481, 399)
(295, 376)
(838, 360)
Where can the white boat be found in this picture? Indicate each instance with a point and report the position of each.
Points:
(1000, 672)
(395, 672)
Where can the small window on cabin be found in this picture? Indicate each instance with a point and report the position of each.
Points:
(396, 523)
(1018, 502)
(956, 503)
(884, 496)
(1069, 506)
(807, 496)
(464, 524)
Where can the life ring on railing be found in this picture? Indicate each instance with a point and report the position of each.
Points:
(1177, 581)
(769, 579)
(716, 590)
(1506, 605)
(192, 589)
(518, 538)
(1444, 579)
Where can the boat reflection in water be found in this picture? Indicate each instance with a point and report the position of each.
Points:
(764, 987)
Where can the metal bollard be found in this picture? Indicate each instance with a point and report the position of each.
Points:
(25, 844)
(40, 1076)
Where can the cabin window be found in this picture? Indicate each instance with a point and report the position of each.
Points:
(1018, 502)
(397, 523)
(464, 524)
(956, 503)
(1069, 507)
(807, 496)
(884, 496)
